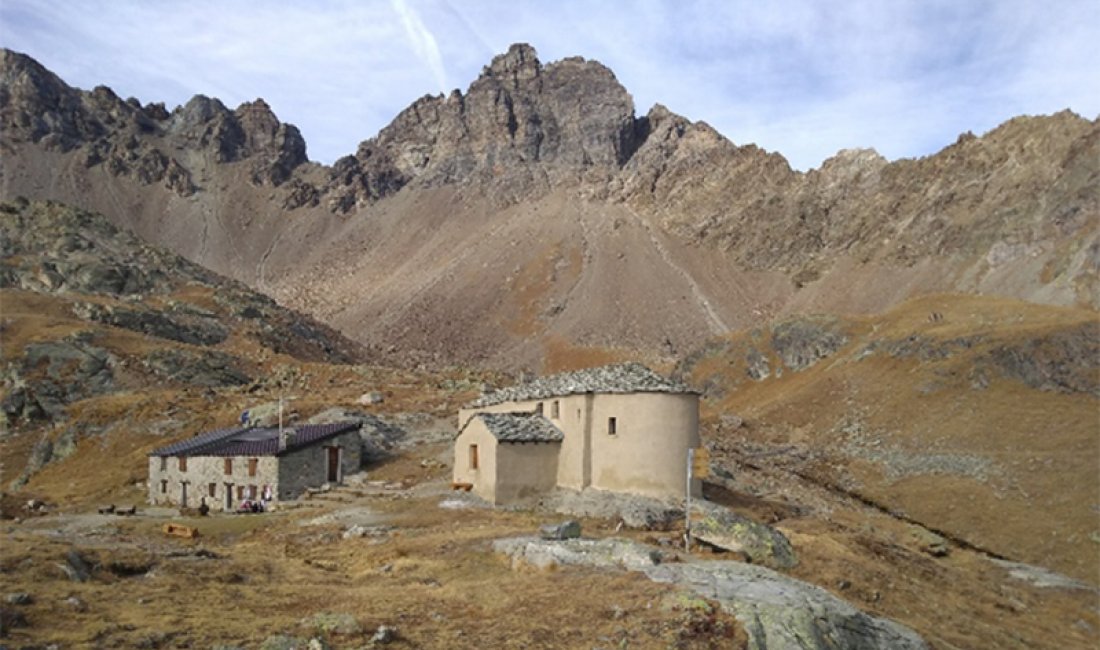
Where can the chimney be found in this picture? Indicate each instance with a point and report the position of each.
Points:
(285, 437)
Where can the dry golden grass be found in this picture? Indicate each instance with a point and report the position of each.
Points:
(1039, 451)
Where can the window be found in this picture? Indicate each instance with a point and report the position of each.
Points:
(228, 466)
(538, 408)
(555, 409)
(183, 463)
(252, 492)
(240, 492)
(612, 429)
(164, 487)
(164, 463)
(211, 489)
(578, 415)
(473, 456)
(252, 466)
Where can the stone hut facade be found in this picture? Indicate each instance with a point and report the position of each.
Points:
(227, 466)
(620, 428)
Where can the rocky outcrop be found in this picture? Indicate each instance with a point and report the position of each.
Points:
(632, 510)
(519, 128)
(775, 610)
(781, 612)
(729, 531)
(52, 374)
(206, 368)
(128, 139)
(53, 249)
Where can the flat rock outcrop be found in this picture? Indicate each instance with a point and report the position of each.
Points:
(777, 611)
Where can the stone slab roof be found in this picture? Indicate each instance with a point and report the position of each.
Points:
(253, 441)
(617, 378)
(520, 427)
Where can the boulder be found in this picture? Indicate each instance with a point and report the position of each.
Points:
(373, 397)
(19, 598)
(565, 530)
(333, 623)
(75, 567)
(727, 530)
(384, 634)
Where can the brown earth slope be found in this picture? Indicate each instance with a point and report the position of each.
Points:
(537, 211)
(977, 417)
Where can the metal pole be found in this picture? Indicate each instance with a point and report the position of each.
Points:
(687, 509)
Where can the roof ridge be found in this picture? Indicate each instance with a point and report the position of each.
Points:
(626, 377)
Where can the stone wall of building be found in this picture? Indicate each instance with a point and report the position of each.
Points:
(206, 478)
(308, 467)
(287, 476)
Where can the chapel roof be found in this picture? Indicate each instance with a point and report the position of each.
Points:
(520, 427)
(616, 378)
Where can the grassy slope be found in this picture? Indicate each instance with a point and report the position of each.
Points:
(1007, 467)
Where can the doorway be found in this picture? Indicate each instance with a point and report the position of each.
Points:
(183, 494)
(229, 497)
(333, 464)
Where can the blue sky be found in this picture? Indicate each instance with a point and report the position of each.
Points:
(801, 77)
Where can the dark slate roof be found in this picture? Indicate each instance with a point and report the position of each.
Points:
(520, 427)
(253, 441)
(618, 378)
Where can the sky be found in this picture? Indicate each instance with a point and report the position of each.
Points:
(804, 78)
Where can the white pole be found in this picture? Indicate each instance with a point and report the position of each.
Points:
(687, 509)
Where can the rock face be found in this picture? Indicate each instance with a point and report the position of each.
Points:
(776, 611)
(519, 127)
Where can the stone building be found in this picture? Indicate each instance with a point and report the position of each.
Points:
(621, 428)
(227, 466)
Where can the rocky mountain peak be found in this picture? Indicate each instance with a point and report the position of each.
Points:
(520, 128)
(520, 63)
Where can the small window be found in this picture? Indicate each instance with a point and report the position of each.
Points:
(252, 492)
(164, 487)
(555, 409)
(578, 415)
(240, 492)
(211, 490)
(612, 427)
(228, 466)
(183, 463)
(538, 408)
(473, 456)
(252, 466)
(164, 463)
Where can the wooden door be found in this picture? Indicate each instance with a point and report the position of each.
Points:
(333, 464)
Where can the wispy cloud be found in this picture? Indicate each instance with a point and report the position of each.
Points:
(800, 77)
(422, 41)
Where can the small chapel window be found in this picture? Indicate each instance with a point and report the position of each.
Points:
(612, 426)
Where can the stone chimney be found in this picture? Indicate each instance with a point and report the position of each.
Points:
(286, 436)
